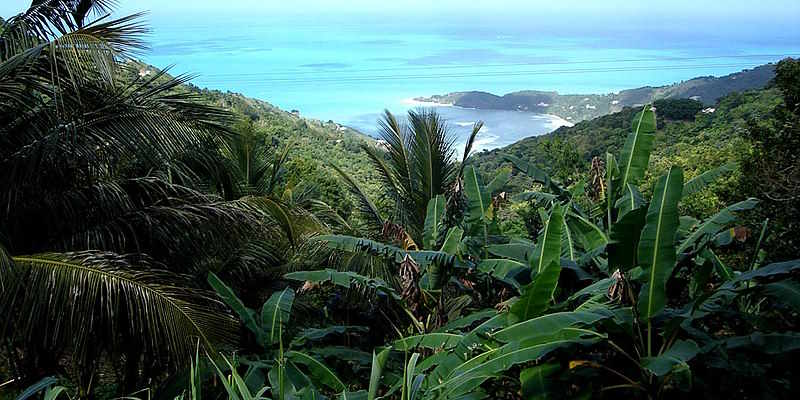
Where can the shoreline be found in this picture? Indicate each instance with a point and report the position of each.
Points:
(556, 121)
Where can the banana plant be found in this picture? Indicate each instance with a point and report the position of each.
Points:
(581, 236)
(291, 370)
(644, 242)
(648, 242)
(445, 253)
(463, 360)
(479, 217)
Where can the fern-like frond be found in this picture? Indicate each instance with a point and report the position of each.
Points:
(87, 299)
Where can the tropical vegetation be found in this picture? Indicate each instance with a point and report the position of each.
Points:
(157, 240)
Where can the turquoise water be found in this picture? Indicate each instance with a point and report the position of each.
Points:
(348, 69)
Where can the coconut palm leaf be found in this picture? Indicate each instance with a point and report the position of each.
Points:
(90, 299)
(476, 128)
(366, 207)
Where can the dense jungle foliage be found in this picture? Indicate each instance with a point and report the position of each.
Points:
(161, 241)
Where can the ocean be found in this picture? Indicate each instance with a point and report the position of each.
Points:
(349, 69)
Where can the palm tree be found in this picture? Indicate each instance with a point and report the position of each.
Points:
(96, 238)
(419, 164)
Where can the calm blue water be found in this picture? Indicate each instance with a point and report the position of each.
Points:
(349, 69)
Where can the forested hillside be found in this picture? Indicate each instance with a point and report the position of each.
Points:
(578, 107)
(686, 136)
(313, 145)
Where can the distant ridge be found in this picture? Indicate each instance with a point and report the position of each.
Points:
(579, 107)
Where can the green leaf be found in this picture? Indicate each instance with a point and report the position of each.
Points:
(787, 292)
(476, 370)
(545, 325)
(275, 314)
(435, 273)
(478, 200)
(410, 385)
(345, 279)
(548, 246)
(468, 320)
(520, 251)
(768, 343)
(537, 175)
(316, 334)
(232, 390)
(229, 297)
(365, 205)
(55, 392)
(635, 153)
(499, 181)
(612, 175)
(679, 354)
(595, 289)
(539, 197)
(502, 269)
(700, 182)
(656, 253)
(439, 340)
(466, 347)
(589, 235)
(536, 381)
(568, 245)
(356, 358)
(392, 253)
(536, 296)
(452, 241)
(730, 289)
(770, 270)
(724, 272)
(317, 370)
(433, 222)
(433, 360)
(37, 387)
(278, 211)
(624, 240)
(378, 361)
(631, 199)
(718, 222)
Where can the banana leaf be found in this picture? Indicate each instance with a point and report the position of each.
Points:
(656, 252)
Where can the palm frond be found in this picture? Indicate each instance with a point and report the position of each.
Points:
(372, 217)
(470, 142)
(82, 300)
(432, 149)
(396, 136)
(388, 177)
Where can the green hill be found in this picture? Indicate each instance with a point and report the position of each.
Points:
(687, 137)
(578, 107)
(314, 144)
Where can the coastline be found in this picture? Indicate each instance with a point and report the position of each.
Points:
(415, 102)
(556, 121)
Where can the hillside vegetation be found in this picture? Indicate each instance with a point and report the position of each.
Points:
(158, 241)
(314, 146)
(578, 107)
